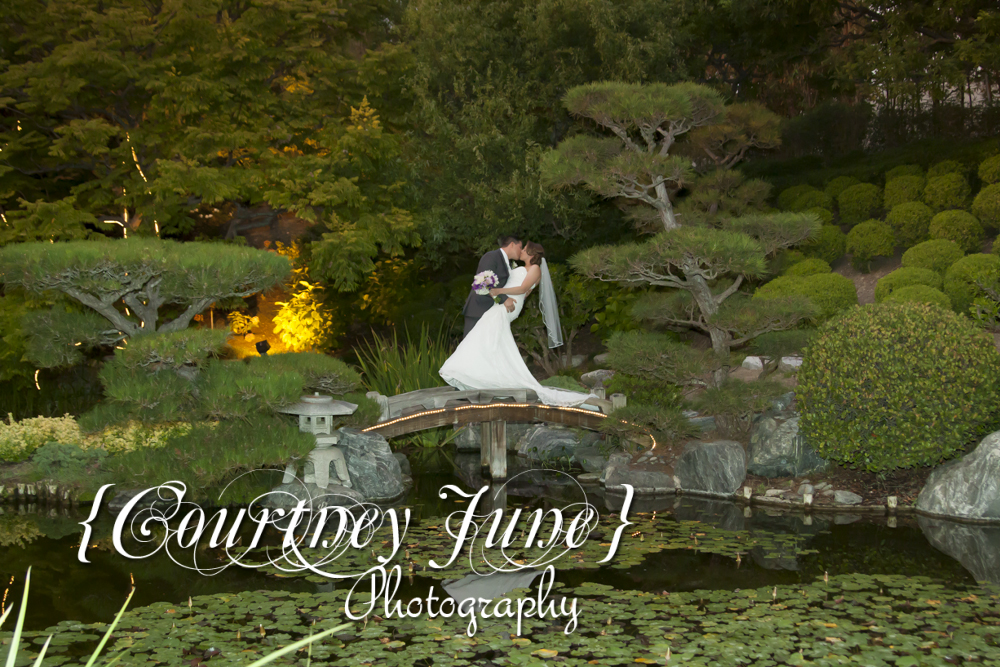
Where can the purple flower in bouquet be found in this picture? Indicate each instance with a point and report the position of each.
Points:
(484, 281)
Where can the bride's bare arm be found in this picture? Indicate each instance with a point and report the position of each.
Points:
(530, 280)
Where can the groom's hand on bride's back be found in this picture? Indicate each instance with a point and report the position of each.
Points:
(509, 305)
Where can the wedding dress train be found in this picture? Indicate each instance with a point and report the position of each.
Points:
(488, 357)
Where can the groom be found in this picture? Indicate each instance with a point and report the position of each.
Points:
(497, 261)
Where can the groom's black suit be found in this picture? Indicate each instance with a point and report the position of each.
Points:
(477, 304)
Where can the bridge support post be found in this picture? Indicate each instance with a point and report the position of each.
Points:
(494, 448)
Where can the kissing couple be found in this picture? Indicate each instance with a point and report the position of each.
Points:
(487, 357)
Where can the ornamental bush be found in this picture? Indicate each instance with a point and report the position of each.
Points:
(989, 170)
(958, 226)
(920, 294)
(790, 195)
(903, 170)
(945, 167)
(903, 189)
(945, 192)
(825, 216)
(897, 385)
(869, 240)
(910, 222)
(934, 255)
(839, 184)
(812, 199)
(860, 202)
(808, 267)
(829, 244)
(905, 277)
(986, 206)
(960, 279)
(832, 293)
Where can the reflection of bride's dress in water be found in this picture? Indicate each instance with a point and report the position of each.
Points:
(488, 358)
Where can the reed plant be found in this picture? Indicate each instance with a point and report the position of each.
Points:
(392, 367)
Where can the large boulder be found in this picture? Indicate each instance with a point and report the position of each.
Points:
(712, 467)
(375, 472)
(968, 487)
(590, 458)
(621, 470)
(778, 450)
(977, 548)
(551, 443)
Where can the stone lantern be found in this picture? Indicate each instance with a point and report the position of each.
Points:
(316, 415)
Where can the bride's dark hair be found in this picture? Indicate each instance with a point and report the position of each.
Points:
(536, 251)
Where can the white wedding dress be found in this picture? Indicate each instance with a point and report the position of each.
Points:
(488, 357)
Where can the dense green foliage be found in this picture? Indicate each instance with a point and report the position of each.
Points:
(812, 199)
(838, 185)
(986, 206)
(808, 267)
(869, 240)
(910, 222)
(895, 385)
(920, 294)
(959, 226)
(903, 170)
(945, 167)
(903, 189)
(961, 277)
(392, 366)
(788, 196)
(828, 244)
(947, 191)
(859, 203)
(989, 170)
(905, 277)
(831, 293)
(934, 255)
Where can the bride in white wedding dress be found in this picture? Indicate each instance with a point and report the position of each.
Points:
(488, 357)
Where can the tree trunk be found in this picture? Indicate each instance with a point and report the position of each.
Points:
(721, 339)
(666, 210)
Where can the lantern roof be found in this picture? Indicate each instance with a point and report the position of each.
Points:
(319, 405)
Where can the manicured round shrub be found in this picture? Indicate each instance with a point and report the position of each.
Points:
(788, 196)
(812, 199)
(945, 192)
(934, 255)
(910, 222)
(825, 215)
(860, 202)
(832, 293)
(903, 189)
(808, 267)
(989, 170)
(960, 279)
(903, 170)
(828, 244)
(958, 226)
(897, 385)
(945, 167)
(839, 184)
(869, 240)
(986, 206)
(905, 277)
(920, 294)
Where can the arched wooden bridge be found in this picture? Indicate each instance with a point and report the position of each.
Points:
(446, 406)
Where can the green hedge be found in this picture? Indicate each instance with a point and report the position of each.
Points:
(934, 255)
(825, 216)
(960, 227)
(897, 385)
(838, 185)
(869, 240)
(829, 244)
(960, 279)
(812, 199)
(808, 267)
(905, 277)
(903, 170)
(986, 206)
(920, 294)
(832, 293)
(789, 196)
(910, 223)
(903, 189)
(945, 192)
(859, 203)
(945, 167)
(989, 170)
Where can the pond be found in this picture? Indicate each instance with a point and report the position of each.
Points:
(680, 546)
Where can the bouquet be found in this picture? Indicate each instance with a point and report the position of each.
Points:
(483, 282)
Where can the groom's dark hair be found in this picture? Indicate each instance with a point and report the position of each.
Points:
(505, 241)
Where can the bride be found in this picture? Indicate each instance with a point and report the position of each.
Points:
(488, 357)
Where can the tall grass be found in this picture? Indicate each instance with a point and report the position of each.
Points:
(391, 367)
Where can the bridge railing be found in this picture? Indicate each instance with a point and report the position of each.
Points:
(439, 397)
